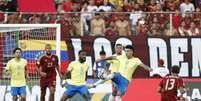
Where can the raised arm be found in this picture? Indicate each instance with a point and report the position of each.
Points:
(146, 67)
(107, 58)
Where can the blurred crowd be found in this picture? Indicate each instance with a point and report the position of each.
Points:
(115, 17)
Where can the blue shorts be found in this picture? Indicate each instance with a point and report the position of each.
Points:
(72, 90)
(120, 83)
(18, 90)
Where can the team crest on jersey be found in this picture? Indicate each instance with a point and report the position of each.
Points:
(53, 59)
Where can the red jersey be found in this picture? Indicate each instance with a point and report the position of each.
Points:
(170, 85)
(48, 65)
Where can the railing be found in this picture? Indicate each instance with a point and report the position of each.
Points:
(115, 23)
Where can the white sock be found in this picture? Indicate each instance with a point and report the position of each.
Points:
(118, 98)
(111, 98)
(109, 77)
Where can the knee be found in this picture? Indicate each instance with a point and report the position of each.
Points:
(43, 93)
(52, 91)
(23, 98)
(14, 98)
(114, 93)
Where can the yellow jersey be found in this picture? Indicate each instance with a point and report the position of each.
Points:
(78, 73)
(115, 63)
(128, 66)
(17, 70)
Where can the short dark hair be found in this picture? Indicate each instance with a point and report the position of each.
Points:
(118, 45)
(102, 52)
(175, 69)
(81, 51)
(17, 49)
(129, 47)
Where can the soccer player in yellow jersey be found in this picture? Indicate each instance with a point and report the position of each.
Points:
(128, 64)
(115, 66)
(16, 67)
(77, 84)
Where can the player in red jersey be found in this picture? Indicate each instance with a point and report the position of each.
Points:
(46, 68)
(170, 84)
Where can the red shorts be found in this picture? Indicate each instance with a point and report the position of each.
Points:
(47, 82)
(168, 98)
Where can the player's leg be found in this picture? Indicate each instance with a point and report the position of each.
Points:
(14, 93)
(121, 85)
(114, 93)
(43, 92)
(84, 92)
(22, 92)
(71, 91)
(52, 90)
(109, 77)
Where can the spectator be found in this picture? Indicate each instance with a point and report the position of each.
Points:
(97, 25)
(142, 27)
(111, 31)
(123, 26)
(76, 26)
(128, 6)
(105, 7)
(117, 2)
(2, 17)
(67, 6)
(92, 7)
(85, 18)
(193, 30)
(181, 29)
(176, 19)
(152, 7)
(186, 6)
(154, 27)
(134, 16)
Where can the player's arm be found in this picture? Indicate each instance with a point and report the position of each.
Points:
(6, 70)
(58, 69)
(160, 88)
(146, 67)
(39, 68)
(182, 87)
(94, 71)
(107, 58)
(26, 72)
(67, 74)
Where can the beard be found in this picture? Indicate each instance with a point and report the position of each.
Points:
(82, 60)
(48, 53)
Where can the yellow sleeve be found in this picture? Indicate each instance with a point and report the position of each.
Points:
(8, 66)
(138, 61)
(70, 66)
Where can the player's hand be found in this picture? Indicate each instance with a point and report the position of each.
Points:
(150, 69)
(63, 83)
(42, 74)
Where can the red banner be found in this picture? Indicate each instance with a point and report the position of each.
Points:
(36, 6)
